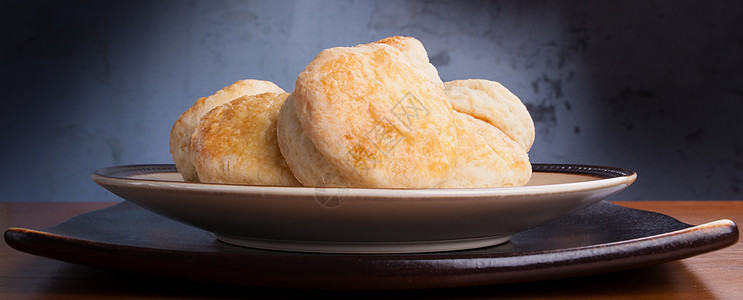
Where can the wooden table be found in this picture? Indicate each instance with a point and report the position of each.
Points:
(708, 276)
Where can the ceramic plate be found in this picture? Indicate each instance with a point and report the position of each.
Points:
(352, 220)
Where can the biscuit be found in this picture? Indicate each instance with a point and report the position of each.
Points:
(236, 143)
(416, 54)
(307, 164)
(488, 157)
(180, 134)
(376, 118)
(491, 102)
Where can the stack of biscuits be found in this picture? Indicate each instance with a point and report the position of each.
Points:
(374, 115)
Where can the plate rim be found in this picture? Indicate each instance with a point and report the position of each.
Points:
(605, 177)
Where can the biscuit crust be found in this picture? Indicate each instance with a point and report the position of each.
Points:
(376, 118)
(184, 127)
(236, 143)
(493, 103)
(307, 164)
(488, 157)
(416, 54)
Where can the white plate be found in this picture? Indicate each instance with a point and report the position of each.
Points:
(341, 220)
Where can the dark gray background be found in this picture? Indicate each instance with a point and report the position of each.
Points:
(655, 86)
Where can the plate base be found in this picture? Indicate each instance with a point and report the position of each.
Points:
(365, 247)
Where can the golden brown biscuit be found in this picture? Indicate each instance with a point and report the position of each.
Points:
(488, 157)
(375, 118)
(491, 102)
(236, 143)
(307, 164)
(180, 134)
(416, 54)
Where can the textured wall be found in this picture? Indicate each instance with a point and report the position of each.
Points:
(655, 86)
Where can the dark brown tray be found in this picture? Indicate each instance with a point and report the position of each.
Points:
(598, 239)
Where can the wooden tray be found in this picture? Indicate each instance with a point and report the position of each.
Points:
(598, 239)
